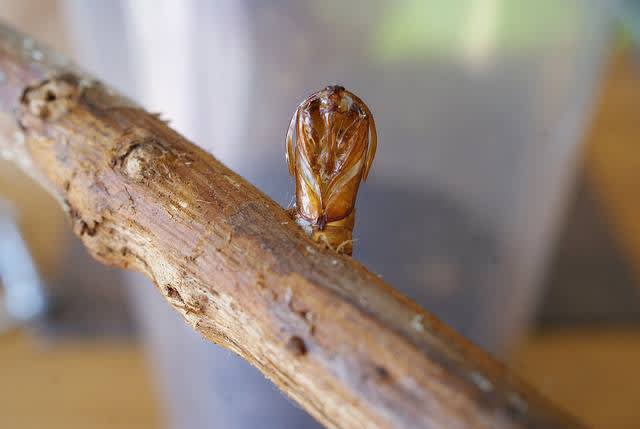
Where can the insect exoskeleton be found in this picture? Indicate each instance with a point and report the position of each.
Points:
(331, 143)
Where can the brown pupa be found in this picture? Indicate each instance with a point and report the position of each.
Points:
(331, 143)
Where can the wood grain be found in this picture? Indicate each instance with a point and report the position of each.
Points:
(332, 335)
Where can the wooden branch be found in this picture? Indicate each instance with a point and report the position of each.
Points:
(336, 338)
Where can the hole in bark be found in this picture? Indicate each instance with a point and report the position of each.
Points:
(174, 294)
(382, 373)
(296, 346)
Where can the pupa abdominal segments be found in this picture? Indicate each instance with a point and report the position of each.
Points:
(330, 146)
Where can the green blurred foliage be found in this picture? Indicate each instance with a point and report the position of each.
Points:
(443, 27)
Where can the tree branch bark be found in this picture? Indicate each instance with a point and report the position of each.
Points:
(333, 336)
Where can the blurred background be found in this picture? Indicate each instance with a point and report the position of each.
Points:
(502, 198)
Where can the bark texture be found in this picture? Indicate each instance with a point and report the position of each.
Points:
(332, 335)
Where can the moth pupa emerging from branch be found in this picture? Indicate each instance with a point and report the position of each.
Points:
(331, 143)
